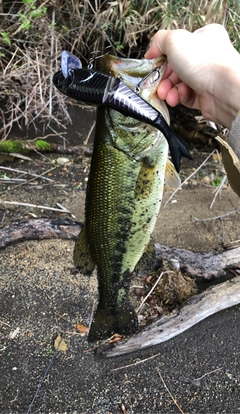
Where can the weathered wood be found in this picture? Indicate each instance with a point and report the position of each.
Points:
(200, 266)
(196, 309)
(39, 229)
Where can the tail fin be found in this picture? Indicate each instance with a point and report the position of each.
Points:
(109, 320)
(176, 148)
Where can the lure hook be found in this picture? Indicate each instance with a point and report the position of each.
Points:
(138, 86)
(92, 59)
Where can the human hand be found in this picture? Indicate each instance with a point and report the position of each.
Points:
(203, 71)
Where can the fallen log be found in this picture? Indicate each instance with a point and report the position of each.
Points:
(196, 309)
(40, 145)
(200, 266)
(39, 229)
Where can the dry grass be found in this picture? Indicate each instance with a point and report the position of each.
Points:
(32, 38)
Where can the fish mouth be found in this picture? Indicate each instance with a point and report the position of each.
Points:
(139, 68)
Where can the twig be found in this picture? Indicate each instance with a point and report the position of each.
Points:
(25, 172)
(92, 312)
(62, 207)
(197, 381)
(169, 392)
(217, 217)
(149, 293)
(88, 135)
(16, 203)
(12, 180)
(32, 179)
(3, 217)
(218, 190)
(136, 363)
(190, 176)
(4, 323)
(208, 373)
(51, 62)
(45, 137)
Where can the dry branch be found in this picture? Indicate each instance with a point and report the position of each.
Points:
(39, 229)
(196, 309)
(200, 266)
(26, 147)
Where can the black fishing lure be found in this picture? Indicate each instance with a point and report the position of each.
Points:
(96, 88)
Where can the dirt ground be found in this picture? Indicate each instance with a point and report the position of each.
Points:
(42, 297)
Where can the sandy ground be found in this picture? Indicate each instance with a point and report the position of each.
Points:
(42, 297)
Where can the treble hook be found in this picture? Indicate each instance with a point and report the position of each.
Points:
(91, 61)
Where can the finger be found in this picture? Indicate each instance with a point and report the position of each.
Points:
(157, 47)
(187, 96)
(172, 97)
(153, 51)
(164, 87)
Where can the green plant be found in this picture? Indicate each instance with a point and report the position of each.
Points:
(6, 38)
(50, 351)
(217, 180)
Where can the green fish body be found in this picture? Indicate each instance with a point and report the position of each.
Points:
(123, 199)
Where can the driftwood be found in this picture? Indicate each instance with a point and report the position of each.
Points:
(39, 229)
(200, 266)
(194, 310)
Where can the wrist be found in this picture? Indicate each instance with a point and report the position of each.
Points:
(233, 95)
(226, 92)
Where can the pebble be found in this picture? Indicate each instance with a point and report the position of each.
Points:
(62, 160)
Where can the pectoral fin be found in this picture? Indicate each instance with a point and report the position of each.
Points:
(81, 255)
(172, 179)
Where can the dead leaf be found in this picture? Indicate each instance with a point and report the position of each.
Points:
(216, 156)
(81, 328)
(60, 344)
(115, 338)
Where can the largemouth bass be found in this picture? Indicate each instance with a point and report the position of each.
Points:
(123, 197)
(97, 88)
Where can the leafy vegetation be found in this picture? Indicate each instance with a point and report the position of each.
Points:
(33, 35)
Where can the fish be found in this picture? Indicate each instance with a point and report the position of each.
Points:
(97, 88)
(123, 198)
